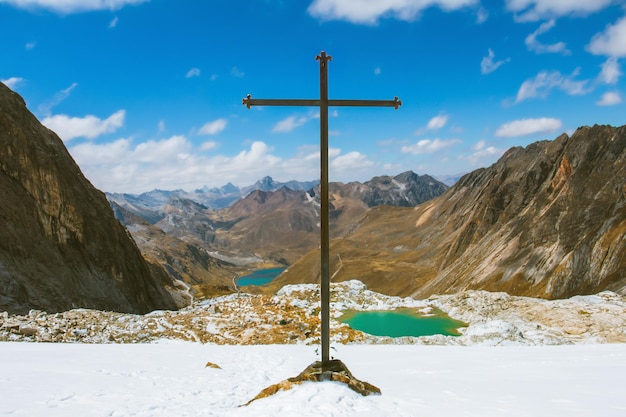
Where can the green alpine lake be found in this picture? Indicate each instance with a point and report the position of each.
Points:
(260, 277)
(402, 322)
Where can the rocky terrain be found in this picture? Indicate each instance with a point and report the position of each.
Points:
(548, 221)
(60, 244)
(292, 316)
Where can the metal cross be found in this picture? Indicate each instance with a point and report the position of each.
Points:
(323, 103)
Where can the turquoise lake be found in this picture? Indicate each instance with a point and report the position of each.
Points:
(260, 277)
(402, 322)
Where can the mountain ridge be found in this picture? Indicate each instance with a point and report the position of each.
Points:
(547, 220)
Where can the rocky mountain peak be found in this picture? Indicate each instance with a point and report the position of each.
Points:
(265, 184)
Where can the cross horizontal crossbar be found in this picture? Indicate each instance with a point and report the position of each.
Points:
(249, 101)
(323, 103)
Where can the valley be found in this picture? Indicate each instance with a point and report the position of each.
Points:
(273, 226)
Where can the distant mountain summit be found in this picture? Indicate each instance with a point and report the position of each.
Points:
(404, 190)
(60, 244)
(547, 220)
(150, 204)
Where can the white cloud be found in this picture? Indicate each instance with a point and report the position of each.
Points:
(155, 151)
(161, 126)
(488, 66)
(88, 127)
(544, 82)
(59, 97)
(289, 124)
(610, 98)
(534, 45)
(194, 72)
(368, 11)
(610, 71)
(174, 162)
(259, 152)
(482, 15)
(30, 45)
(106, 154)
(351, 164)
(526, 127)
(214, 127)
(72, 6)
(236, 72)
(13, 82)
(483, 154)
(611, 42)
(209, 146)
(377, 71)
(533, 10)
(479, 145)
(113, 22)
(437, 122)
(429, 146)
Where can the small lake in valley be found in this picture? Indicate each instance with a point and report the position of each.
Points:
(402, 322)
(260, 277)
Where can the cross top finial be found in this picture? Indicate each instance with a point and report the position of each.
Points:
(323, 57)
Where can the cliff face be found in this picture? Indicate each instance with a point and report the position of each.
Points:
(60, 245)
(548, 220)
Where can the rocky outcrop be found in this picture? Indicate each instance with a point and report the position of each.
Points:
(60, 245)
(548, 220)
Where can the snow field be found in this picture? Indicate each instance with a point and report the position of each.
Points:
(169, 378)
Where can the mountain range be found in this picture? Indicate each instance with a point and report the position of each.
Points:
(547, 220)
(275, 224)
(148, 204)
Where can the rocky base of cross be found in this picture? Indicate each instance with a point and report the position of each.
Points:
(332, 370)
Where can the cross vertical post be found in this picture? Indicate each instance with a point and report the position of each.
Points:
(324, 215)
(323, 103)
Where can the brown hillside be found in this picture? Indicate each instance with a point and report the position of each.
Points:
(548, 220)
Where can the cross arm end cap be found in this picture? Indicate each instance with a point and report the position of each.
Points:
(246, 101)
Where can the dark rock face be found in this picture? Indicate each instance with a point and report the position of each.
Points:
(405, 190)
(60, 245)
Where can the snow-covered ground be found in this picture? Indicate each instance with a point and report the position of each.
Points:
(170, 378)
(519, 356)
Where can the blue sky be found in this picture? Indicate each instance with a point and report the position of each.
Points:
(147, 93)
